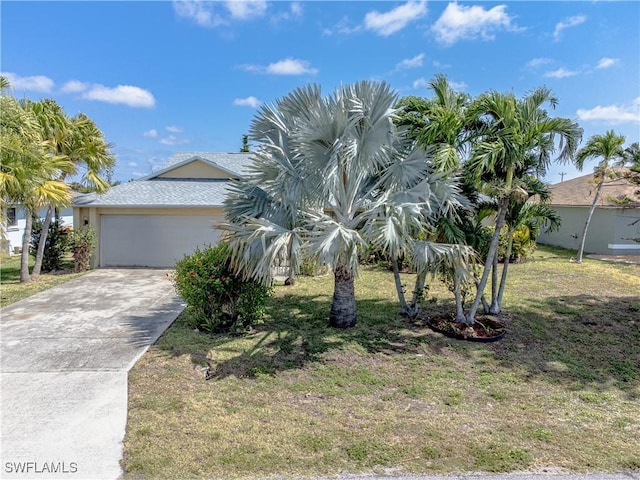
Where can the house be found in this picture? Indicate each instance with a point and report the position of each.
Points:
(615, 222)
(14, 222)
(156, 220)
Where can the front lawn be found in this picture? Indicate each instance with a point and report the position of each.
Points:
(12, 290)
(296, 399)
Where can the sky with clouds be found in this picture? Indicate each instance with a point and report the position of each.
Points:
(165, 77)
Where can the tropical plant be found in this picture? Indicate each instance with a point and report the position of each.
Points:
(331, 176)
(78, 140)
(83, 243)
(57, 244)
(609, 148)
(28, 171)
(217, 299)
(514, 138)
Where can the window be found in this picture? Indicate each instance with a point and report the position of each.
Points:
(12, 218)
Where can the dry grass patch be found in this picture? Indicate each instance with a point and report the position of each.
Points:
(296, 399)
(12, 290)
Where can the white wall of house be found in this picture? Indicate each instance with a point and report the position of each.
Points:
(611, 231)
(14, 231)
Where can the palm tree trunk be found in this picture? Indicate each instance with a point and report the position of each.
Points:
(42, 243)
(24, 259)
(404, 309)
(503, 280)
(494, 282)
(493, 251)
(414, 308)
(343, 307)
(586, 225)
(460, 318)
(291, 279)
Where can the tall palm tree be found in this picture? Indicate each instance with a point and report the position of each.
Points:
(28, 173)
(524, 214)
(331, 175)
(608, 147)
(511, 133)
(78, 140)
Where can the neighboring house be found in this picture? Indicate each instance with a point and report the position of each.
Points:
(15, 220)
(615, 222)
(156, 220)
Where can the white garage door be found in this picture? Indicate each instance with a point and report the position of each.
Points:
(153, 240)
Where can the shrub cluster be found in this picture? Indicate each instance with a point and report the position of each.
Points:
(218, 300)
(56, 245)
(83, 241)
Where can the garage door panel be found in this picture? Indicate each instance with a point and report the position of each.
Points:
(153, 240)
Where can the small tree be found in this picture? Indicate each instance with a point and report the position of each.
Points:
(83, 242)
(217, 299)
(55, 246)
(608, 147)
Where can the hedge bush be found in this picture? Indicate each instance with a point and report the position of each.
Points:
(218, 300)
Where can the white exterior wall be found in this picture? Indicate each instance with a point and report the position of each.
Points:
(15, 233)
(610, 233)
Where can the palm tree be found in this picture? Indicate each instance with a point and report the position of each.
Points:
(78, 140)
(608, 147)
(531, 216)
(511, 133)
(330, 176)
(27, 171)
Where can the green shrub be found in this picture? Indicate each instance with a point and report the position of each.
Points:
(218, 300)
(83, 241)
(56, 245)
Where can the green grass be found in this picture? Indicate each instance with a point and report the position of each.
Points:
(11, 290)
(297, 399)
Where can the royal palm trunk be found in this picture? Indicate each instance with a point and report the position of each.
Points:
(343, 308)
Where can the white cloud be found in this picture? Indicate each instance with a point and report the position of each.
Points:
(420, 83)
(132, 164)
(390, 22)
(201, 12)
(251, 101)
(291, 66)
(343, 27)
(74, 86)
(561, 73)
(122, 94)
(246, 9)
(173, 129)
(606, 62)
(153, 133)
(438, 64)
(288, 66)
(538, 62)
(173, 140)
(612, 114)
(459, 22)
(35, 83)
(567, 23)
(458, 85)
(295, 11)
(409, 63)
(424, 83)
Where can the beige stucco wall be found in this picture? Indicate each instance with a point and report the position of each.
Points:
(610, 232)
(196, 170)
(91, 216)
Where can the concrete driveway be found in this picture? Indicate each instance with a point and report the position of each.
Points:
(64, 358)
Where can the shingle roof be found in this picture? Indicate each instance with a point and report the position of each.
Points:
(232, 162)
(164, 192)
(580, 191)
(153, 191)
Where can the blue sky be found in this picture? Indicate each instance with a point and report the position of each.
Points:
(166, 77)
